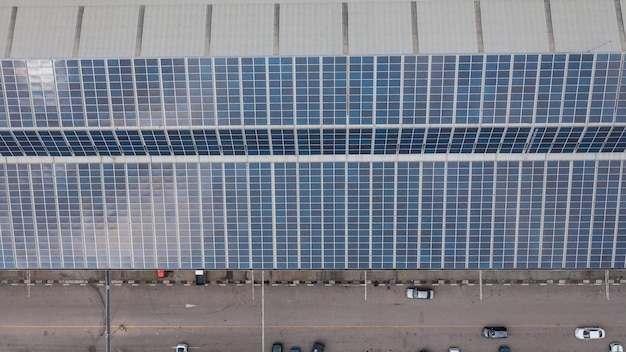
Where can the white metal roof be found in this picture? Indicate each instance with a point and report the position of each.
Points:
(311, 29)
(446, 27)
(44, 32)
(127, 28)
(380, 28)
(514, 26)
(109, 31)
(242, 30)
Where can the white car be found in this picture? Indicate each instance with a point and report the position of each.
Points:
(589, 333)
(419, 293)
(616, 347)
(181, 347)
(453, 349)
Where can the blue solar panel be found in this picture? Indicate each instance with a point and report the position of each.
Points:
(411, 140)
(281, 93)
(309, 142)
(283, 142)
(257, 142)
(307, 90)
(386, 141)
(182, 142)
(334, 141)
(361, 92)
(106, 142)
(206, 142)
(415, 90)
(9, 146)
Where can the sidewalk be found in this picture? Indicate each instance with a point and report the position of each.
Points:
(322, 277)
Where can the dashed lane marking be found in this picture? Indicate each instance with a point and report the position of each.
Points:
(292, 327)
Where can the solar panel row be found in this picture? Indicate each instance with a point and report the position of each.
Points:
(276, 91)
(405, 215)
(405, 140)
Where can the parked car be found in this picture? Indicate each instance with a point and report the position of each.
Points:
(453, 349)
(295, 349)
(497, 332)
(616, 347)
(318, 347)
(181, 347)
(277, 347)
(419, 293)
(504, 349)
(589, 333)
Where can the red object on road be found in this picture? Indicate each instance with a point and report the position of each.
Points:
(161, 274)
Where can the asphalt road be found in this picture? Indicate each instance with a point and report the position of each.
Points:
(241, 318)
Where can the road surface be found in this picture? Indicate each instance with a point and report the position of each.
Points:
(245, 318)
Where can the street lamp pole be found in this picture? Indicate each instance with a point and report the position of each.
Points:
(108, 311)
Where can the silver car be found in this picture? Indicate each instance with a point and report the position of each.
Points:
(419, 293)
(181, 347)
(496, 332)
(616, 347)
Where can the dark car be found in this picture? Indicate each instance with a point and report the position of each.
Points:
(504, 349)
(318, 347)
(498, 332)
(277, 347)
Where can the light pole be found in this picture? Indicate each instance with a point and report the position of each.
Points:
(108, 313)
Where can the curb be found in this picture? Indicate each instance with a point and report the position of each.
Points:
(374, 283)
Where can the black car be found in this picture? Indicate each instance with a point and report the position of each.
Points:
(498, 332)
(318, 347)
(277, 347)
(504, 349)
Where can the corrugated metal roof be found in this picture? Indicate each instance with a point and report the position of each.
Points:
(514, 26)
(5, 21)
(174, 30)
(310, 29)
(109, 31)
(44, 32)
(446, 26)
(380, 28)
(239, 30)
(585, 25)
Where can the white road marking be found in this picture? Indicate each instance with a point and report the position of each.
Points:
(606, 285)
(480, 280)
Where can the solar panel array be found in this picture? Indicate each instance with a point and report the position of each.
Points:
(304, 91)
(334, 141)
(405, 162)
